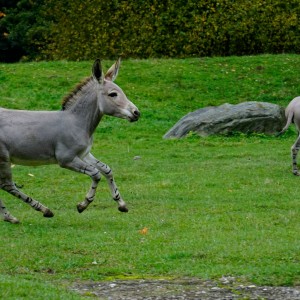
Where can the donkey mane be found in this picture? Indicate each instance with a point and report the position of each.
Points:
(71, 98)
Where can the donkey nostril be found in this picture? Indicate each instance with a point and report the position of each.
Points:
(136, 113)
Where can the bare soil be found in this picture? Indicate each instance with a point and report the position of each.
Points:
(186, 289)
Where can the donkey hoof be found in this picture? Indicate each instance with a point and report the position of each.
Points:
(48, 213)
(80, 208)
(12, 220)
(123, 208)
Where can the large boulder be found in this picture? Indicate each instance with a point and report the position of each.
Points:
(247, 117)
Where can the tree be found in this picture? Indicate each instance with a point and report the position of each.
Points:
(22, 29)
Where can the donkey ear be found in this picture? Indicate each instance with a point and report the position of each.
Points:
(97, 70)
(113, 71)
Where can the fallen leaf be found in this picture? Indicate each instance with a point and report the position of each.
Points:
(144, 230)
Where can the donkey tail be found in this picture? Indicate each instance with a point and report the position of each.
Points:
(288, 123)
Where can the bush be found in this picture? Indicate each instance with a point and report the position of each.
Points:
(172, 28)
(22, 30)
(80, 30)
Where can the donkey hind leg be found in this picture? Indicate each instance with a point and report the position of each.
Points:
(78, 165)
(7, 216)
(11, 188)
(294, 151)
(107, 172)
(7, 185)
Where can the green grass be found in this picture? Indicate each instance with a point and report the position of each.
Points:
(212, 206)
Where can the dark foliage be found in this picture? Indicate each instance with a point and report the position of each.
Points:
(22, 29)
(78, 30)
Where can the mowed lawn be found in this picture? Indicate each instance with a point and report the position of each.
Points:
(198, 207)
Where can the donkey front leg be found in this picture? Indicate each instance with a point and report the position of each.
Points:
(6, 214)
(107, 172)
(78, 165)
(294, 151)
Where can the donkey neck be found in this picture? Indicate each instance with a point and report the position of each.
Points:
(85, 106)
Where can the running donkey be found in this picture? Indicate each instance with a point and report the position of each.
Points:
(63, 137)
(292, 113)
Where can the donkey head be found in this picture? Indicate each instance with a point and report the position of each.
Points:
(112, 100)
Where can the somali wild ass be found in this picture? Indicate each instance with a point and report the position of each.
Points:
(63, 137)
(292, 113)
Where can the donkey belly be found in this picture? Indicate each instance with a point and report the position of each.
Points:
(32, 154)
(31, 162)
(29, 159)
(28, 138)
(27, 149)
(31, 149)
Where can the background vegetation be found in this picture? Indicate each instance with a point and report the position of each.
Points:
(80, 30)
(23, 29)
(202, 207)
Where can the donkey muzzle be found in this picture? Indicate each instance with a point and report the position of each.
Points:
(135, 115)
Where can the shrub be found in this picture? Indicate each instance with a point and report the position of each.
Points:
(22, 30)
(173, 28)
(80, 30)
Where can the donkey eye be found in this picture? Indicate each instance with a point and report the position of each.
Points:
(113, 94)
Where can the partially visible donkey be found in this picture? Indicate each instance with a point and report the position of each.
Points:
(63, 137)
(292, 113)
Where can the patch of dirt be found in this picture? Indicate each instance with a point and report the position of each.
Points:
(227, 288)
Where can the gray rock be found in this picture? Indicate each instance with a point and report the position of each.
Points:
(247, 117)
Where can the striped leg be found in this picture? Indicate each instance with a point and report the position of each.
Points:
(107, 172)
(294, 150)
(12, 189)
(78, 165)
(6, 214)
(7, 185)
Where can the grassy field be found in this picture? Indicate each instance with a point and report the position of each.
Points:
(199, 207)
